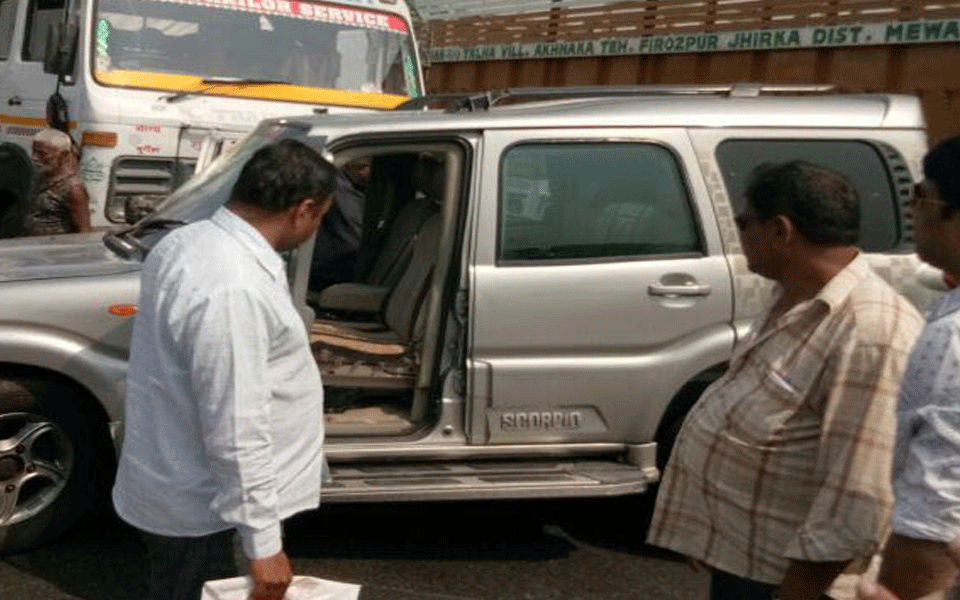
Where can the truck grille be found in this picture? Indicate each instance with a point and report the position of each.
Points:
(138, 185)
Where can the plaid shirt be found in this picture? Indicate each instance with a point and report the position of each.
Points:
(788, 455)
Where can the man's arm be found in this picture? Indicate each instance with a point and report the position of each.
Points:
(230, 350)
(80, 207)
(848, 517)
(917, 560)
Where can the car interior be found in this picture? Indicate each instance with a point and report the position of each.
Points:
(375, 337)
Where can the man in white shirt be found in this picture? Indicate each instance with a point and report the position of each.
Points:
(224, 406)
(919, 560)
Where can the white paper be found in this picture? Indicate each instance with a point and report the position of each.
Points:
(302, 587)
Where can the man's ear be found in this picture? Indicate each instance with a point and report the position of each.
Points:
(310, 209)
(305, 209)
(306, 205)
(784, 229)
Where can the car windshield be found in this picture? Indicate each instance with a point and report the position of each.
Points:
(289, 47)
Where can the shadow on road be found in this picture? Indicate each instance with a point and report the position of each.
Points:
(444, 531)
(619, 524)
(520, 530)
(102, 559)
(98, 559)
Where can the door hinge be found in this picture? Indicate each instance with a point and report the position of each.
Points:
(461, 305)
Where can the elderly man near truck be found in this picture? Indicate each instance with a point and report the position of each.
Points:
(780, 477)
(58, 201)
(224, 406)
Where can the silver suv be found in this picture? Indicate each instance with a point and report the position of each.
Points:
(548, 279)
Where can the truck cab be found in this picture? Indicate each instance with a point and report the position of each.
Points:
(146, 88)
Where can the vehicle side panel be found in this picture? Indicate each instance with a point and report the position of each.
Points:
(582, 350)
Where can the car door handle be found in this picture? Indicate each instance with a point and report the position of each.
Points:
(687, 289)
(15, 101)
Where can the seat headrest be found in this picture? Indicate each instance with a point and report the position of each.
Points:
(428, 177)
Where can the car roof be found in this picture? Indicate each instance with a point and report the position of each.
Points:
(792, 112)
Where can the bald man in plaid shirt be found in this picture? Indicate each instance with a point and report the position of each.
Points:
(780, 476)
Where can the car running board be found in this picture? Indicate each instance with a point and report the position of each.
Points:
(484, 480)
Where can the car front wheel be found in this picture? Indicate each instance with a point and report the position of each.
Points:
(48, 472)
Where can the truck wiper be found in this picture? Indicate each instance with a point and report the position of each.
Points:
(214, 82)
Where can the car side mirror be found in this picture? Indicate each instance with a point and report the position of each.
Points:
(60, 54)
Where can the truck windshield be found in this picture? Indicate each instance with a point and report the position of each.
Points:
(306, 51)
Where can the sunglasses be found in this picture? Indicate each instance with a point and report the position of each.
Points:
(920, 196)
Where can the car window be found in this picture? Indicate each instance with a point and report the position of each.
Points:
(861, 162)
(8, 17)
(593, 200)
(40, 16)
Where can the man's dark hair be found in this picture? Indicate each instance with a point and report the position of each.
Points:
(941, 166)
(282, 174)
(821, 204)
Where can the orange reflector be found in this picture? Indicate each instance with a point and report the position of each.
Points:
(104, 139)
(123, 310)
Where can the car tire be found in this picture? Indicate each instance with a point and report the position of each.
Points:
(672, 420)
(50, 455)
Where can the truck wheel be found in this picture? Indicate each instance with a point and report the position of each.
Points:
(47, 464)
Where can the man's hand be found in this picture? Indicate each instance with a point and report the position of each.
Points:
(875, 591)
(271, 576)
(808, 580)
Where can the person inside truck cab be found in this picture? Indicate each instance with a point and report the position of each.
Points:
(58, 200)
(313, 61)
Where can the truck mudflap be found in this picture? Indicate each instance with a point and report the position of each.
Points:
(487, 480)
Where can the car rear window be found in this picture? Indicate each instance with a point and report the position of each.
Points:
(860, 161)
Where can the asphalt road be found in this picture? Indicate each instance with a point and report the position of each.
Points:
(573, 550)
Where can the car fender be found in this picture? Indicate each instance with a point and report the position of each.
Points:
(102, 374)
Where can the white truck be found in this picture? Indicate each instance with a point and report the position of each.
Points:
(148, 87)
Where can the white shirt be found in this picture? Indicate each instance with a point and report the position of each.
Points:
(224, 404)
(926, 466)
